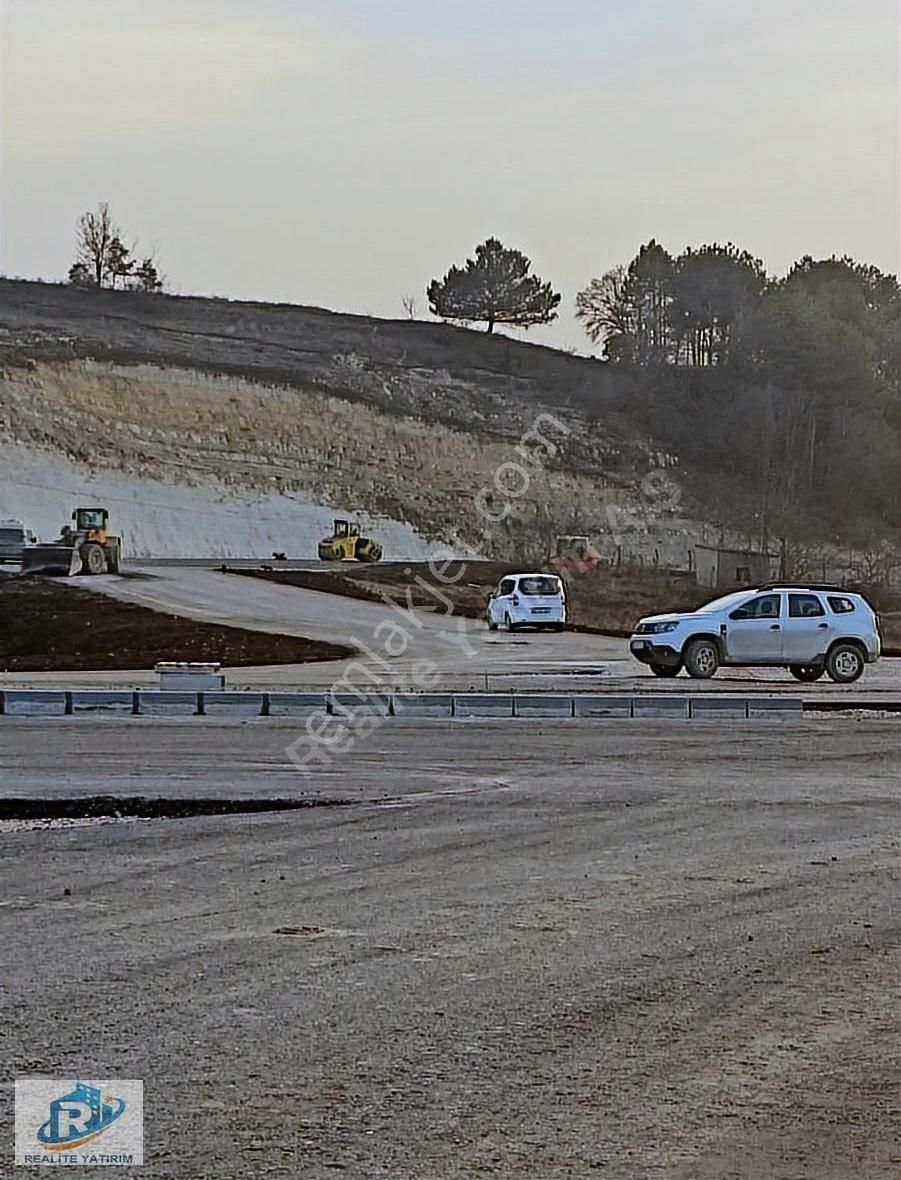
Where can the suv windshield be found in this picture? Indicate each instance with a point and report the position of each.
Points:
(728, 600)
(539, 586)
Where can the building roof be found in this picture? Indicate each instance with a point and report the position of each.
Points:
(722, 550)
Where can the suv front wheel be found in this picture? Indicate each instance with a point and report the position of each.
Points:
(807, 673)
(845, 663)
(702, 659)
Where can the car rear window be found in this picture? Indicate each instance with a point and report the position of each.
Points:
(539, 586)
(841, 606)
(804, 606)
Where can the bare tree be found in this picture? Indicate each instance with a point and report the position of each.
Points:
(877, 564)
(411, 306)
(94, 236)
(103, 260)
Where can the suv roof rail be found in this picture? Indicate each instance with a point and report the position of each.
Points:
(820, 587)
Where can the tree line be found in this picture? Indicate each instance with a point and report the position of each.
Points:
(793, 383)
(785, 392)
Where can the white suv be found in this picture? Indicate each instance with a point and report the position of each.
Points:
(807, 629)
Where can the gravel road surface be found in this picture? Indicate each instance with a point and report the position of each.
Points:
(561, 951)
(454, 643)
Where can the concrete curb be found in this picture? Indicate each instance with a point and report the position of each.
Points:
(504, 706)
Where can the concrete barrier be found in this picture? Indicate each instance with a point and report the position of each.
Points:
(116, 703)
(377, 704)
(668, 706)
(550, 705)
(482, 704)
(712, 707)
(294, 704)
(778, 707)
(423, 704)
(34, 703)
(169, 704)
(701, 706)
(602, 705)
(232, 704)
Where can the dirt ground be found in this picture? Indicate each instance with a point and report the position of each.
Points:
(600, 599)
(49, 627)
(633, 951)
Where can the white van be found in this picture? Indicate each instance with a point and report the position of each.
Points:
(527, 600)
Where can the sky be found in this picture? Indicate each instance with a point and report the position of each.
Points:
(342, 153)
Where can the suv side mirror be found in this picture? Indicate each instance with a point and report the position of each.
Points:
(740, 613)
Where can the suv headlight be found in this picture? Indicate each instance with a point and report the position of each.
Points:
(662, 628)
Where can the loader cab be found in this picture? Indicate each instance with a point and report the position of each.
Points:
(90, 520)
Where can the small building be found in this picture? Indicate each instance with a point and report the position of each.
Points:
(730, 569)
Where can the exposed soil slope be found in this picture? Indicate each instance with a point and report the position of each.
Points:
(401, 421)
(599, 599)
(47, 627)
(290, 345)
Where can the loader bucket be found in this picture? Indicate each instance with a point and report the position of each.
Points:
(55, 560)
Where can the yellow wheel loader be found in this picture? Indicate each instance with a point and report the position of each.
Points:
(85, 549)
(346, 544)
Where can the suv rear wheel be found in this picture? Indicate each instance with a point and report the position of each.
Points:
(807, 673)
(702, 659)
(845, 663)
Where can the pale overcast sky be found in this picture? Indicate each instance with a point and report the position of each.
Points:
(344, 152)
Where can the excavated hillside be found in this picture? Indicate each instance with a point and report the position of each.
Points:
(393, 420)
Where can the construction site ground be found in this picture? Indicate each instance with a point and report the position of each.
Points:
(600, 599)
(52, 626)
(633, 952)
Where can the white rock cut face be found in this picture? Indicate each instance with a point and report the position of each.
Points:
(161, 519)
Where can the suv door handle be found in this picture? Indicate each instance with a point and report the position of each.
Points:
(823, 627)
(775, 627)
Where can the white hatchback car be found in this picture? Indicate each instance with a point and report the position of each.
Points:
(807, 629)
(527, 600)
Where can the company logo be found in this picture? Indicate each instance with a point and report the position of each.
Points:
(66, 1123)
(78, 1117)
